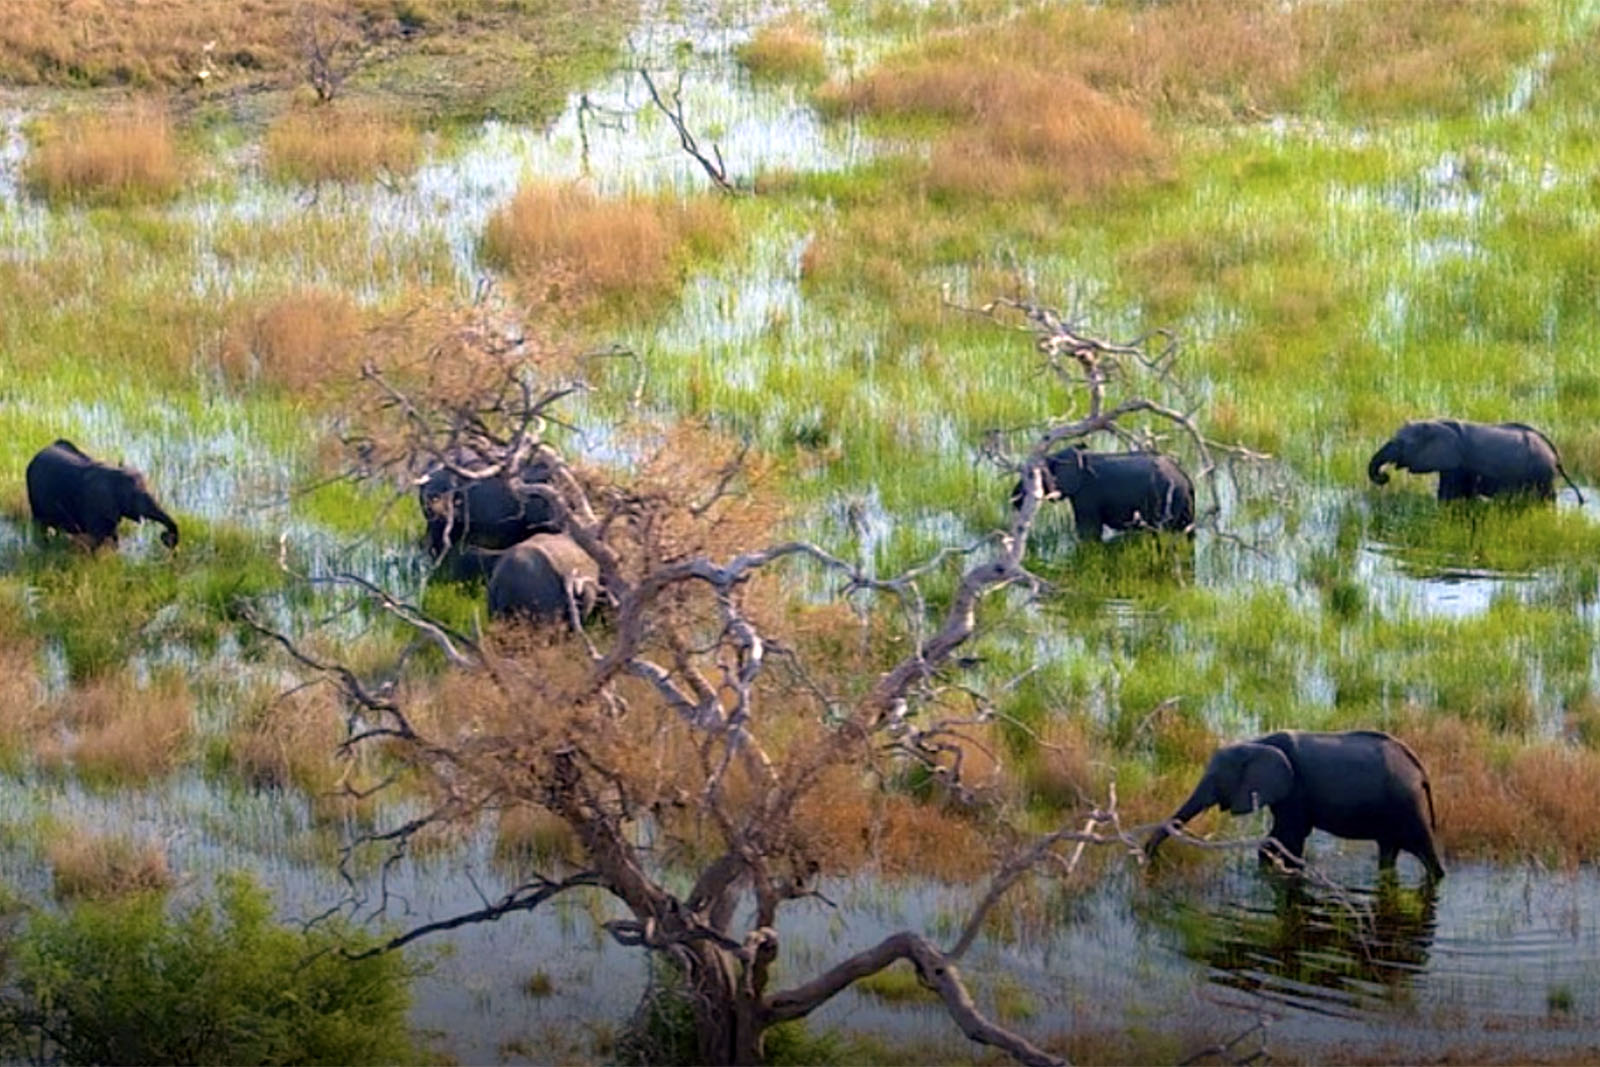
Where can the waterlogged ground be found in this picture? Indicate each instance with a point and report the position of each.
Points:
(1311, 600)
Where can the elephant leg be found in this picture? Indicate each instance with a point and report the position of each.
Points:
(1087, 521)
(1422, 848)
(1457, 485)
(1290, 836)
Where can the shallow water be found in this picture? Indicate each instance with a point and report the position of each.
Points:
(1486, 961)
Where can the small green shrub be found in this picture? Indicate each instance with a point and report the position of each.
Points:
(124, 982)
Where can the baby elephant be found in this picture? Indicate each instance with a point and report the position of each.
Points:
(85, 498)
(1473, 458)
(544, 578)
(1363, 785)
(1122, 490)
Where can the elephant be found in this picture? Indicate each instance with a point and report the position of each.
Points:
(492, 513)
(1473, 458)
(1122, 490)
(1362, 784)
(84, 498)
(546, 578)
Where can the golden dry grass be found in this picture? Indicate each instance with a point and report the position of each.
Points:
(165, 42)
(1014, 131)
(335, 144)
(113, 730)
(282, 740)
(568, 248)
(87, 864)
(785, 50)
(127, 156)
(1494, 797)
(301, 340)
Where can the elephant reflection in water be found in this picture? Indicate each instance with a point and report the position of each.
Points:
(1327, 951)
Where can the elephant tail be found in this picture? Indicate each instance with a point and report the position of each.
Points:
(1427, 786)
(1554, 451)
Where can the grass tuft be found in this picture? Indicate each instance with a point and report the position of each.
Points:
(96, 866)
(569, 248)
(786, 50)
(127, 157)
(339, 145)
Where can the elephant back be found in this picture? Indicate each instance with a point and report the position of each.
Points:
(533, 579)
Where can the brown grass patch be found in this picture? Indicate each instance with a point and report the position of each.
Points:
(1060, 99)
(170, 42)
(569, 248)
(1016, 131)
(785, 50)
(113, 731)
(1495, 798)
(330, 144)
(125, 157)
(283, 740)
(302, 340)
(87, 864)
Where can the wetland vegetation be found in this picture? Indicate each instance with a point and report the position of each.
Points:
(1347, 215)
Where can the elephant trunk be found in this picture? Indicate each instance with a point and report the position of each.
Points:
(1389, 453)
(170, 537)
(149, 509)
(1203, 797)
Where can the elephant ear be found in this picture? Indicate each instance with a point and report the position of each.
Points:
(1064, 468)
(1437, 446)
(1267, 778)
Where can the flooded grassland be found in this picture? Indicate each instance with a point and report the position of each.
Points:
(1340, 242)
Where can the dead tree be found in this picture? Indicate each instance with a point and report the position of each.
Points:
(331, 50)
(712, 164)
(1085, 365)
(703, 721)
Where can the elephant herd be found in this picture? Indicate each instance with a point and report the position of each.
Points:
(1147, 490)
(1362, 785)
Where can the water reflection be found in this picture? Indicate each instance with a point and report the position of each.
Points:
(1325, 950)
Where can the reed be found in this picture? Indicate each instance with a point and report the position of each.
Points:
(310, 146)
(123, 158)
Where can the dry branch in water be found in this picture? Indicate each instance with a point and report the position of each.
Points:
(713, 165)
(711, 716)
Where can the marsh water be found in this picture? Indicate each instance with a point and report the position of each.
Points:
(1500, 958)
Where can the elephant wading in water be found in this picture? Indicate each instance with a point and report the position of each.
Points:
(493, 513)
(1473, 458)
(545, 578)
(86, 499)
(1122, 490)
(1363, 785)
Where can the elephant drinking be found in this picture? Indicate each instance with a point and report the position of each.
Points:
(1363, 785)
(1473, 458)
(82, 497)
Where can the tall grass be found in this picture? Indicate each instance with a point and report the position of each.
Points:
(785, 50)
(87, 864)
(298, 341)
(126, 157)
(571, 249)
(339, 145)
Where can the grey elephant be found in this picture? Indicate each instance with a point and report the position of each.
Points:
(1473, 458)
(495, 513)
(1363, 785)
(545, 578)
(1121, 490)
(84, 498)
